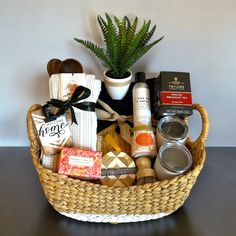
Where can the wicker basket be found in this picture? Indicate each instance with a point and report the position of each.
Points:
(86, 201)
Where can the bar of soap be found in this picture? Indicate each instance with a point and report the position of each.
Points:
(84, 164)
(118, 169)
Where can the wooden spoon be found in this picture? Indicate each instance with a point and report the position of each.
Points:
(70, 66)
(53, 66)
(56, 66)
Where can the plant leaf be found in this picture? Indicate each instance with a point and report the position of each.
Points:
(138, 54)
(111, 42)
(149, 35)
(124, 43)
(99, 52)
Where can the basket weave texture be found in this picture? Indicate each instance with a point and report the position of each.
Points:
(77, 197)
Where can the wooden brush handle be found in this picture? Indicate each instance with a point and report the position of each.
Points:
(144, 168)
(148, 172)
(143, 162)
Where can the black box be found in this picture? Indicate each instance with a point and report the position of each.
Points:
(171, 95)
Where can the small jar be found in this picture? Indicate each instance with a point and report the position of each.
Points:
(173, 159)
(143, 142)
(171, 129)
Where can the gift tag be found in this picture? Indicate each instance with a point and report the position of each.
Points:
(54, 134)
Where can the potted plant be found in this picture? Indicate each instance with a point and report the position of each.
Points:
(125, 43)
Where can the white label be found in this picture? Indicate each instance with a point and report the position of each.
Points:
(54, 133)
(68, 84)
(81, 161)
(142, 107)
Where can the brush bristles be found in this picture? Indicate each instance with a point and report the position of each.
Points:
(146, 180)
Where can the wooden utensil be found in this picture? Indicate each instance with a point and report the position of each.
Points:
(70, 65)
(53, 66)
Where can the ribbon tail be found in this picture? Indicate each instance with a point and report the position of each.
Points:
(73, 118)
(125, 131)
(103, 115)
(110, 115)
(80, 93)
(106, 107)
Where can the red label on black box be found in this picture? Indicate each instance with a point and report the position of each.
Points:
(171, 95)
(176, 98)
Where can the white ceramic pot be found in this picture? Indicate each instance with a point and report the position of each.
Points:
(117, 88)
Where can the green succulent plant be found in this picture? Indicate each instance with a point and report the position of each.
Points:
(124, 43)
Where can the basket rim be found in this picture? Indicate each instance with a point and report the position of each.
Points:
(88, 183)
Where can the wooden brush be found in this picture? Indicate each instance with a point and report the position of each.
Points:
(145, 173)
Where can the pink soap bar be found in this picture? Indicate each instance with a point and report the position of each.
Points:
(80, 163)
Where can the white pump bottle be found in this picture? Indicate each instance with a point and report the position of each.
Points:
(141, 101)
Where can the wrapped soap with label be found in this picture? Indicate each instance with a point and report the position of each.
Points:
(53, 134)
(84, 164)
(62, 87)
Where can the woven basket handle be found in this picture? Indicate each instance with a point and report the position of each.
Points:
(201, 140)
(30, 127)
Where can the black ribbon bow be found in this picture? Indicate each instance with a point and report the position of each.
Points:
(80, 93)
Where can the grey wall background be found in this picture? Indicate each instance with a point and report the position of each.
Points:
(200, 37)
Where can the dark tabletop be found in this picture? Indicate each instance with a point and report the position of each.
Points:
(209, 210)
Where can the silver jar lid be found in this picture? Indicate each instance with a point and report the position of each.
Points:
(172, 128)
(175, 157)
